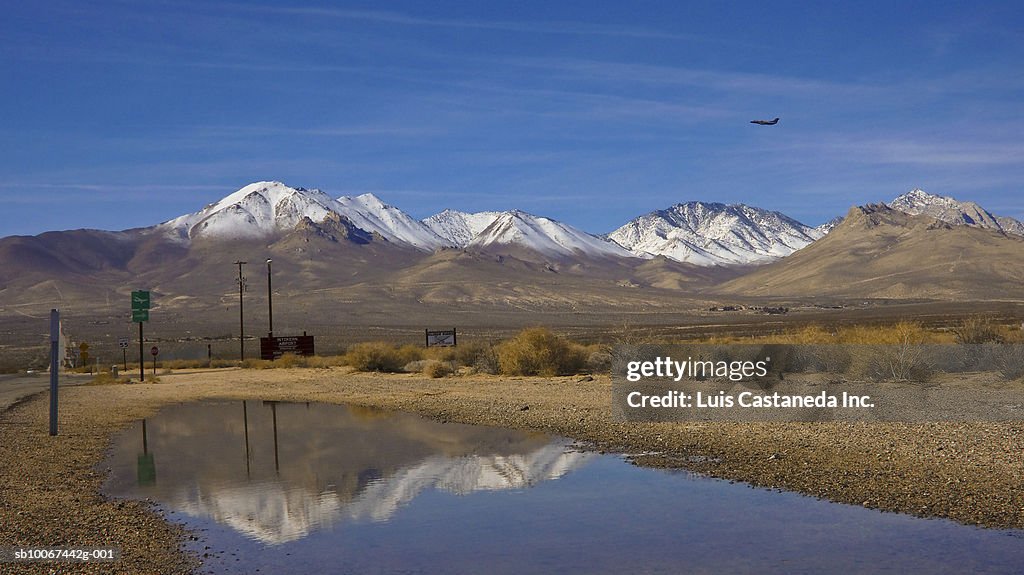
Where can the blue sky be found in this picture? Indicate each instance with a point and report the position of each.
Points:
(124, 114)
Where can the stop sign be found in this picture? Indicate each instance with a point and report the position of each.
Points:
(153, 350)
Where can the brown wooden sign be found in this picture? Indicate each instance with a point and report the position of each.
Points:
(275, 347)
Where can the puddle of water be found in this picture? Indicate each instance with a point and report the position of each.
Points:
(305, 488)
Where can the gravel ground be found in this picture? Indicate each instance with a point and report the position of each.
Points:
(49, 486)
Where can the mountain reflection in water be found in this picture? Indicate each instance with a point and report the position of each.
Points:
(277, 472)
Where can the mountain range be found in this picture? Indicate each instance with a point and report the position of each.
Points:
(700, 233)
(370, 263)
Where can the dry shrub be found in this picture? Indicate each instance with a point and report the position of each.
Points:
(449, 354)
(379, 356)
(415, 366)
(184, 363)
(324, 361)
(479, 355)
(874, 352)
(902, 333)
(289, 360)
(975, 330)
(812, 334)
(435, 368)
(106, 378)
(599, 359)
(537, 351)
(826, 358)
(409, 353)
(890, 354)
(1010, 361)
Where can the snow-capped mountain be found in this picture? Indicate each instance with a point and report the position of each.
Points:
(952, 211)
(263, 209)
(459, 228)
(828, 226)
(710, 234)
(257, 210)
(515, 228)
(546, 236)
(368, 212)
(706, 234)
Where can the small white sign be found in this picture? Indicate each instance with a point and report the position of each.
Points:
(441, 338)
(122, 342)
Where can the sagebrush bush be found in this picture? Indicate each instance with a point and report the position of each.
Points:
(409, 353)
(1010, 361)
(378, 356)
(976, 330)
(809, 334)
(599, 361)
(902, 333)
(538, 351)
(891, 362)
(415, 366)
(253, 363)
(289, 360)
(106, 378)
(435, 368)
(481, 356)
(322, 361)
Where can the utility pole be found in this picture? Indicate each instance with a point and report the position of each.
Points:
(270, 299)
(241, 309)
(54, 367)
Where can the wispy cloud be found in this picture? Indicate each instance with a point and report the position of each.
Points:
(321, 131)
(907, 150)
(405, 19)
(47, 193)
(565, 102)
(631, 73)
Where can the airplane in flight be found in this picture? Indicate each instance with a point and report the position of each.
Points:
(765, 122)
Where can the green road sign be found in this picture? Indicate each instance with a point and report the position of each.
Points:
(140, 315)
(140, 300)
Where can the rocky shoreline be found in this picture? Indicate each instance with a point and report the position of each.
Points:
(50, 486)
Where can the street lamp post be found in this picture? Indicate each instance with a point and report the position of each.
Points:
(270, 299)
(241, 308)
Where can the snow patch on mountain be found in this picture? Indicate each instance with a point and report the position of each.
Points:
(257, 210)
(830, 225)
(368, 212)
(262, 209)
(545, 236)
(710, 234)
(952, 211)
(459, 228)
(1011, 225)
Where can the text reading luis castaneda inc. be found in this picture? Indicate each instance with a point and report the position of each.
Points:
(667, 368)
(785, 383)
